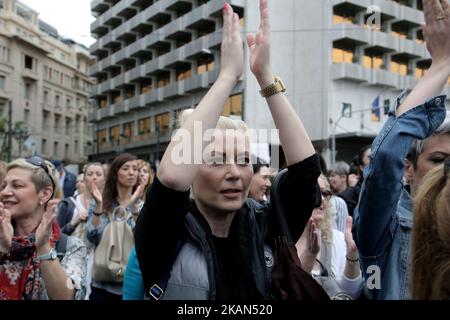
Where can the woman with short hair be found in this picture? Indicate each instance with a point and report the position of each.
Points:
(29, 235)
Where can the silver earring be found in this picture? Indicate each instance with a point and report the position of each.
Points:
(40, 203)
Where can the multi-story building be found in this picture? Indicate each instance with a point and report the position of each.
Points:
(155, 58)
(44, 78)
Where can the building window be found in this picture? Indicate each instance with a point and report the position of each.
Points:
(26, 116)
(55, 149)
(399, 68)
(45, 96)
(128, 130)
(346, 110)
(183, 74)
(340, 19)
(342, 56)
(163, 81)
(77, 124)
(66, 150)
(144, 126)
(103, 103)
(76, 147)
(162, 121)
(68, 125)
(101, 136)
(205, 65)
(57, 100)
(45, 119)
(29, 62)
(114, 133)
(58, 124)
(4, 54)
(233, 106)
(68, 103)
(28, 89)
(146, 87)
(2, 82)
(44, 146)
(420, 72)
(373, 62)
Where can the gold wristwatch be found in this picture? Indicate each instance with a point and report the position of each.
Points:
(274, 88)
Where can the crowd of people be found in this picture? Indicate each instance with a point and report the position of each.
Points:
(205, 230)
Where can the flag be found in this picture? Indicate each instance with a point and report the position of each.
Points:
(376, 110)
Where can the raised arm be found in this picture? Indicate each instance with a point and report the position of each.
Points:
(373, 216)
(294, 139)
(178, 176)
(437, 35)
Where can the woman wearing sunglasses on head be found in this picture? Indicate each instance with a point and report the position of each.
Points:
(31, 241)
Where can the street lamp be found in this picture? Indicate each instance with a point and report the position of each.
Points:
(157, 141)
(21, 134)
(2, 141)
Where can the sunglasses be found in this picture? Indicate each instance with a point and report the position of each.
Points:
(39, 162)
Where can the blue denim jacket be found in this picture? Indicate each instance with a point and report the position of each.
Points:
(383, 217)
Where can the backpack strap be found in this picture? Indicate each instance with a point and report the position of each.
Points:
(61, 246)
(157, 289)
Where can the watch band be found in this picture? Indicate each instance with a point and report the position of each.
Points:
(274, 88)
(52, 255)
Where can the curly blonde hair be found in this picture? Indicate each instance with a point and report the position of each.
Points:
(325, 226)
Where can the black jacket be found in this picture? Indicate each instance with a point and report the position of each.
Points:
(70, 182)
(164, 222)
(64, 214)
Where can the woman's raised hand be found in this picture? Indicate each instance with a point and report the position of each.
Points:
(312, 238)
(232, 51)
(352, 250)
(96, 194)
(44, 230)
(6, 229)
(259, 48)
(437, 30)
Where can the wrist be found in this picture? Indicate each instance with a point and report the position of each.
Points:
(44, 249)
(97, 213)
(352, 258)
(265, 79)
(228, 78)
(441, 66)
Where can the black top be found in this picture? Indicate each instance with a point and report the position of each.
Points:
(161, 226)
(351, 197)
(233, 282)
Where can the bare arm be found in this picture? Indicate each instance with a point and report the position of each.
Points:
(352, 267)
(437, 36)
(293, 136)
(179, 177)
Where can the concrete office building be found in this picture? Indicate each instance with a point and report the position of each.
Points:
(45, 80)
(155, 58)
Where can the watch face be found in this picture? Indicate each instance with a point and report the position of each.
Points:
(53, 254)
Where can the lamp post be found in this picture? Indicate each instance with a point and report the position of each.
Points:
(2, 141)
(21, 134)
(9, 131)
(157, 141)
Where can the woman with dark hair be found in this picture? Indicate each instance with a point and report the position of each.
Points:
(120, 180)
